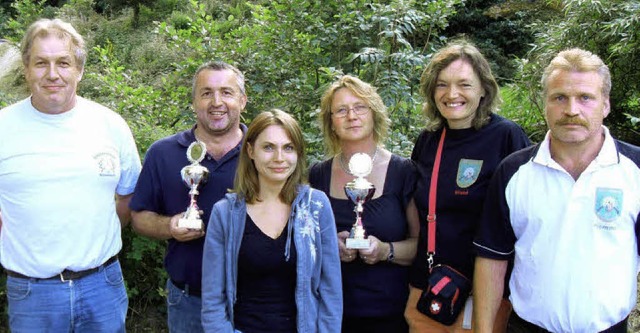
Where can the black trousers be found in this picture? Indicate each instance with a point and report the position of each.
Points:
(519, 325)
(394, 324)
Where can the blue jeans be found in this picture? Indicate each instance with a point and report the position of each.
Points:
(183, 311)
(95, 303)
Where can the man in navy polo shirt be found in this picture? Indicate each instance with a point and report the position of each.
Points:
(161, 196)
(567, 212)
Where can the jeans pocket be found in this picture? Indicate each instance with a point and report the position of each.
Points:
(18, 289)
(174, 294)
(113, 274)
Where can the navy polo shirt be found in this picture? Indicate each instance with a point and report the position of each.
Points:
(160, 189)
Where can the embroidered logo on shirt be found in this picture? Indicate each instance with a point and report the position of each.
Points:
(608, 204)
(468, 171)
(309, 215)
(106, 164)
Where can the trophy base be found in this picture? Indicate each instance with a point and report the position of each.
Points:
(190, 224)
(355, 243)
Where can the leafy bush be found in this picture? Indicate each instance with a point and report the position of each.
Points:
(610, 29)
(499, 30)
(141, 66)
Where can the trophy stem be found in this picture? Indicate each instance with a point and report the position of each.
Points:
(359, 191)
(193, 175)
(194, 190)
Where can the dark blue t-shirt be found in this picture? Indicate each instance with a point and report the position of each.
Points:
(160, 189)
(381, 289)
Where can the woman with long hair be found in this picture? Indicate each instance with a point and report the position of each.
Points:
(271, 259)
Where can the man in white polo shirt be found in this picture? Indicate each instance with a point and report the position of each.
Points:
(68, 167)
(567, 212)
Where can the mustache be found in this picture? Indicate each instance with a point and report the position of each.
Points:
(572, 121)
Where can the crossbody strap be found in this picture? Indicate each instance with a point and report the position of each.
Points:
(431, 217)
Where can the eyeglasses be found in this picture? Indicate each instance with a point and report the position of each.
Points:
(358, 109)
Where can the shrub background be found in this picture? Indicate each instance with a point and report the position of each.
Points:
(143, 53)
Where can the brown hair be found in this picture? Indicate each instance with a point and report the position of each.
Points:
(246, 182)
(467, 52)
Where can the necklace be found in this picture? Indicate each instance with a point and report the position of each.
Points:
(344, 167)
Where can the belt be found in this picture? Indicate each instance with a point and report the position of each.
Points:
(66, 274)
(185, 287)
(620, 327)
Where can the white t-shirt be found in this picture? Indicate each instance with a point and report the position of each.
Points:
(58, 177)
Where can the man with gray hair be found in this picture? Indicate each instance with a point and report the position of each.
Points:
(161, 198)
(68, 168)
(567, 211)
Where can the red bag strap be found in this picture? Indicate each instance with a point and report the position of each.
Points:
(431, 217)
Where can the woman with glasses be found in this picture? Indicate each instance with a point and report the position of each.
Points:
(461, 98)
(270, 255)
(354, 120)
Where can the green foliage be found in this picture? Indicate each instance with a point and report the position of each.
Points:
(499, 30)
(143, 54)
(144, 272)
(144, 11)
(289, 50)
(610, 29)
(28, 11)
(395, 62)
(11, 78)
(152, 112)
(518, 107)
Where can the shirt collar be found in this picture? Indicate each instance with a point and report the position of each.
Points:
(608, 154)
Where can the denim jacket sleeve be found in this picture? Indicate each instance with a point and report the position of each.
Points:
(330, 307)
(214, 298)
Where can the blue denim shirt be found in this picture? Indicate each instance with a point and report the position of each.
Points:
(318, 286)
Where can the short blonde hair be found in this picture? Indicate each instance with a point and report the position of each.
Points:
(578, 60)
(246, 182)
(369, 95)
(59, 28)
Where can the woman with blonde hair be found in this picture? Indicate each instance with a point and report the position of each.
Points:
(354, 120)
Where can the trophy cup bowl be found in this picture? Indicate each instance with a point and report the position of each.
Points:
(359, 195)
(359, 191)
(193, 175)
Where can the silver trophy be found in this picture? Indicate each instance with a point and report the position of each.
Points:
(359, 191)
(194, 175)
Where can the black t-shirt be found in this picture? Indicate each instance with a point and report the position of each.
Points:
(469, 159)
(266, 283)
(374, 290)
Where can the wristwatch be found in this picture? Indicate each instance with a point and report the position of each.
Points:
(391, 255)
